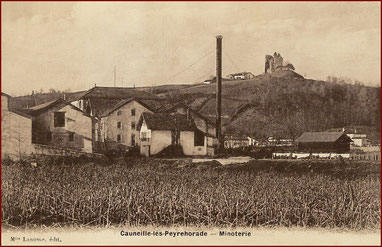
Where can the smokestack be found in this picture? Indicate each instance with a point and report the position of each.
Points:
(218, 87)
(115, 75)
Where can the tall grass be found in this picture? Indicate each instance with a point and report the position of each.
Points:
(142, 192)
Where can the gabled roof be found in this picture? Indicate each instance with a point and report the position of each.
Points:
(322, 137)
(116, 93)
(167, 121)
(151, 105)
(38, 109)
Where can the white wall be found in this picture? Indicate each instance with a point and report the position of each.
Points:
(109, 128)
(159, 140)
(16, 135)
(187, 143)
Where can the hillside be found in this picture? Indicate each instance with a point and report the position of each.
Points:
(285, 104)
(282, 104)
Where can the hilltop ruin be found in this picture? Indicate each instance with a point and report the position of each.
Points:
(275, 63)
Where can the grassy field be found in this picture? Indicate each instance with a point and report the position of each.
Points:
(153, 192)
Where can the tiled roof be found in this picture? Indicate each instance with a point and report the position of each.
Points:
(166, 121)
(321, 137)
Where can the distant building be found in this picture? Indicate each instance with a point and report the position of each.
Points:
(209, 81)
(162, 130)
(337, 142)
(237, 141)
(241, 76)
(16, 131)
(359, 140)
(58, 123)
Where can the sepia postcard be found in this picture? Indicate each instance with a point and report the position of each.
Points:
(190, 123)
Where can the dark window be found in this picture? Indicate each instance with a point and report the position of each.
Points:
(59, 119)
(133, 125)
(198, 138)
(132, 140)
(71, 136)
(132, 112)
(119, 125)
(119, 112)
(48, 137)
(119, 138)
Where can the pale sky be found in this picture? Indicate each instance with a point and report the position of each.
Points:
(75, 45)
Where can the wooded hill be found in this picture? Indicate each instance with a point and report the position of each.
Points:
(284, 104)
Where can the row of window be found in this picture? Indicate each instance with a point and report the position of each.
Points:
(119, 125)
(132, 112)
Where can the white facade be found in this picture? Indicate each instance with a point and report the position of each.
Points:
(16, 133)
(154, 141)
(121, 125)
(187, 142)
(359, 140)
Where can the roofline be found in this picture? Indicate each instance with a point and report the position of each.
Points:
(20, 113)
(59, 100)
(53, 102)
(127, 101)
(343, 134)
(6, 95)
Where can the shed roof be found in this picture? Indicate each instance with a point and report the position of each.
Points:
(322, 137)
(166, 121)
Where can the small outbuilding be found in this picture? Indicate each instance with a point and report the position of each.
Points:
(161, 130)
(337, 142)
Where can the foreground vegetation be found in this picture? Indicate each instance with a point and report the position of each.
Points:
(139, 192)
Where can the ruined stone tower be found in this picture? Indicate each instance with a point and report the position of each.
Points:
(276, 62)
